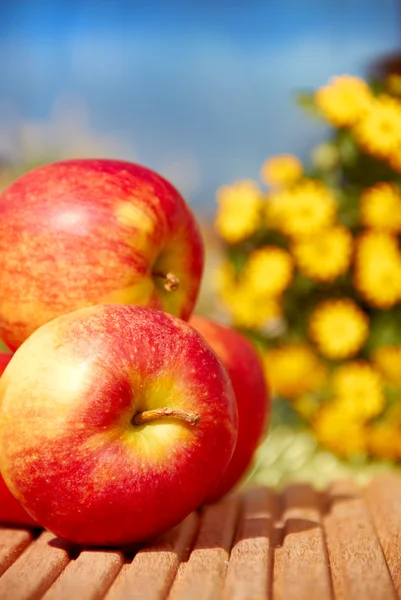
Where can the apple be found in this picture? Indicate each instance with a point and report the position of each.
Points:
(251, 392)
(11, 510)
(83, 232)
(5, 358)
(115, 422)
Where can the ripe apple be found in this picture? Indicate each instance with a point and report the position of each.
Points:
(5, 358)
(84, 232)
(122, 422)
(253, 399)
(11, 510)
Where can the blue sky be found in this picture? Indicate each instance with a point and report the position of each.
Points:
(202, 89)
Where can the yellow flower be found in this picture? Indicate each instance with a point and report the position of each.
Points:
(249, 311)
(379, 132)
(388, 360)
(378, 269)
(381, 207)
(305, 209)
(344, 100)
(246, 309)
(293, 370)
(326, 255)
(337, 432)
(358, 390)
(339, 328)
(393, 412)
(268, 271)
(306, 405)
(281, 171)
(239, 210)
(384, 441)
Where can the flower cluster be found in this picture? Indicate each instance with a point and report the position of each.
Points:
(312, 269)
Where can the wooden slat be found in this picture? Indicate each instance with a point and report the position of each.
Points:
(249, 572)
(12, 543)
(88, 577)
(150, 575)
(35, 570)
(359, 570)
(301, 570)
(383, 496)
(202, 577)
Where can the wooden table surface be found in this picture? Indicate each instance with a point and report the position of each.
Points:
(344, 543)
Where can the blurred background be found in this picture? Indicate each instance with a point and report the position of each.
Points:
(209, 94)
(202, 91)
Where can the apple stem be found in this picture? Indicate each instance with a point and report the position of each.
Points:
(171, 282)
(160, 413)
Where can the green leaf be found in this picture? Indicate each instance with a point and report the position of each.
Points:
(348, 206)
(349, 151)
(385, 329)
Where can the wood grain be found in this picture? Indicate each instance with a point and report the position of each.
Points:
(12, 543)
(359, 569)
(301, 569)
(202, 576)
(383, 496)
(35, 570)
(88, 577)
(154, 568)
(249, 570)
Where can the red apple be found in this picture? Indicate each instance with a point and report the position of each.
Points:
(11, 510)
(122, 422)
(85, 232)
(253, 399)
(5, 358)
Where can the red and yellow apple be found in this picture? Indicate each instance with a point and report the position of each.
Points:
(115, 422)
(84, 232)
(251, 392)
(11, 510)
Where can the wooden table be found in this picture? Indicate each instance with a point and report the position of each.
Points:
(344, 543)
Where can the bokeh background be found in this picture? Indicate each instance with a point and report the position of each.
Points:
(201, 91)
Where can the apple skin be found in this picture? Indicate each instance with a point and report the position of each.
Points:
(83, 232)
(251, 392)
(5, 358)
(11, 510)
(69, 450)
